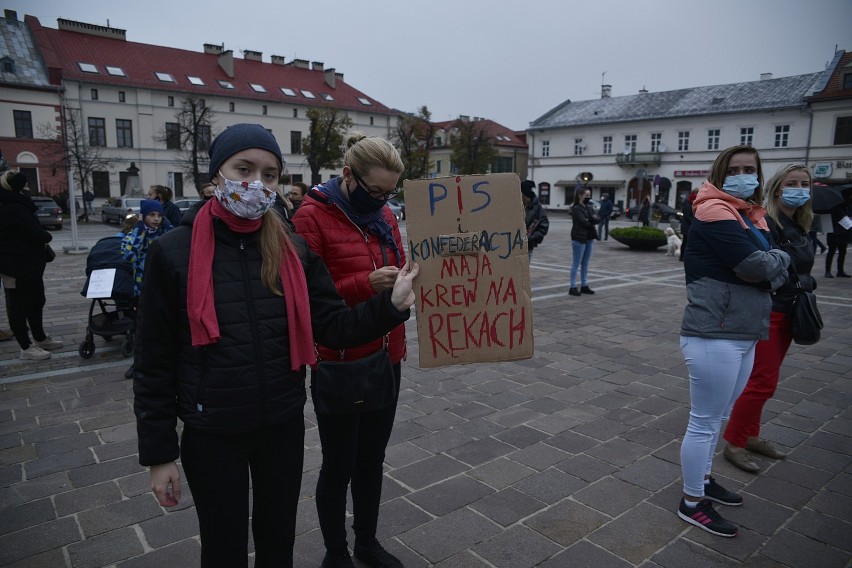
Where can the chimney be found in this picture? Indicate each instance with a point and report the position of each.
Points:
(765, 76)
(91, 29)
(317, 65)
(226, 62)
(213, 49)
(10, 15)
(606, 91)
(278, 60)
(330, 78)
(300, 63)
(250, 55)
(338, 76)
(464, 118)
(643, 90)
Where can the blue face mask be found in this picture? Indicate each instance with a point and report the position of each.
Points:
(362, 202)
(795, 197)
(741, 186)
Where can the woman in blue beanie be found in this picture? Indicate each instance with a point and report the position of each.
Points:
(226, 327)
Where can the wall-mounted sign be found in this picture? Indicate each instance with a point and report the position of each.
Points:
(822, 170)
(691, 173)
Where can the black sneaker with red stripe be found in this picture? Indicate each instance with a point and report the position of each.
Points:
(704, 516)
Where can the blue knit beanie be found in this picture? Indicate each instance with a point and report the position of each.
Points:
(241, 137)
(147, 206)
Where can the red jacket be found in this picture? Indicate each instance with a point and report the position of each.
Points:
(351, 255)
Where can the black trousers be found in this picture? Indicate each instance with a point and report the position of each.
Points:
(836, 243)
(24, 304)
(353, 449)
(218, 467)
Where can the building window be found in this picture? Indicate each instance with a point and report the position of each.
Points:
(295, 142)
(121, 97)
(23, 124)
(503, 164)
(197, 81)
(746, 136)
(683, 141)
(607, 144)
(165, 77)
(847, 81)
(843, 130)
(226, 84)
(437, 166)
(713, 136)
(295, 113)
(578, 146)
(231, 107)
(172, 136)
(545, 148)
(629, 143)
(97, 131)
(94, 94)
(288, 92)
(202, 103)
(115, 71)
(307, 94)
(782, 136)
(656, 140)
(263, 109)
(124, 133)
(257, 88)
(205, 137)
(171, 101)
(87, 67)
(100, 184)
(8, 64)
(439, 141)
(371, 121)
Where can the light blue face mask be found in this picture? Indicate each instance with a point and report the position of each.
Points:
(795, 196)
(741, 186)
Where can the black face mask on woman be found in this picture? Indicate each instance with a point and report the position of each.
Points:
(362, 202)
(586, 200)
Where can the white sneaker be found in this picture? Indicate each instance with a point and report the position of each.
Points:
(49, 343)
(35, 353)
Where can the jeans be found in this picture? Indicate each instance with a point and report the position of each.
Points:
(353, 450)
(217, 468)
(24, 305)
(603, 229)
(581, 255)
(768, 356)
(718, 372)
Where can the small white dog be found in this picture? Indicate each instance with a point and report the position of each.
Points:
(673, 246)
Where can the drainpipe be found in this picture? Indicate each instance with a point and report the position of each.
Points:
(531, 156)
(810, 114)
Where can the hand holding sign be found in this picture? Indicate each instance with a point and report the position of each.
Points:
(403, 290)
(383, 278)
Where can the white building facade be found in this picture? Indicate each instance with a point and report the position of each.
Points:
(662, 145)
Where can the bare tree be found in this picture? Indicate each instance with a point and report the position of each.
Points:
(473, 151)
(79, 148)
(191, 134)
(413, 136)
(323, 146)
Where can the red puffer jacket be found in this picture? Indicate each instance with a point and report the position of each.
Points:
(351, 255)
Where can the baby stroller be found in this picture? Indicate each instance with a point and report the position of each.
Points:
(113, 308)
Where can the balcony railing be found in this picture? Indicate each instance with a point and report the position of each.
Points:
(638, 159)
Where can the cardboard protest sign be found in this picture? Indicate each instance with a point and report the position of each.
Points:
(473, 298)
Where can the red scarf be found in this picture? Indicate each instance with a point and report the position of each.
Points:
(200, 305)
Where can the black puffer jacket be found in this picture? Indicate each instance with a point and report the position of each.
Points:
(793, 240)
(536, 222)
(583, 229)
(22, 239)
(244, 380)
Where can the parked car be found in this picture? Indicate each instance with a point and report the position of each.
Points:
(117, 208)
(396, 209)
(616, 210)
(49, 213)
(397, 203)
(186, 203)
(664, 211)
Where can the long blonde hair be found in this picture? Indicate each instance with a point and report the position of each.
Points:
(802, 216)
(275, 240)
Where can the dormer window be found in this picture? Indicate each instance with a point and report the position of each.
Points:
(364, 101)
(87, 68)
(847, 82)
(165, 77)
(197, 81)
(115, 71)
(8, 64)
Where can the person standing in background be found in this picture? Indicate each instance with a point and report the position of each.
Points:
(583, 235)
(838, 239)
(605, 213)
(535, 217)
(164, 195)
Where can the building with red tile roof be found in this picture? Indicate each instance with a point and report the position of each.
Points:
(510, 146)
(831, 134)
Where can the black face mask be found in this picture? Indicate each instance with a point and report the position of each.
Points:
(362, 202)
(586, 200)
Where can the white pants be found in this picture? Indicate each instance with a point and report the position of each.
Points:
(718, 372)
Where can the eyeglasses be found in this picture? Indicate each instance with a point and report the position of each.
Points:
(375, 193)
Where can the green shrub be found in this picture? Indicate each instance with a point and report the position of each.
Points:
(638, 233)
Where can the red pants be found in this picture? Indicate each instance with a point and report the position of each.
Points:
(744, 422)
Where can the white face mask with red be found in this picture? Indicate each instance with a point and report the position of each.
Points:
(245, 199)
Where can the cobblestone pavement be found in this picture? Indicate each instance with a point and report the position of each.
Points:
(566, 459)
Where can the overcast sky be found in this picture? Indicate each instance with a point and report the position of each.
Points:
(507, 60)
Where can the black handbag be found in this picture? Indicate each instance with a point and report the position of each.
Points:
(347, 387)
(805, 319)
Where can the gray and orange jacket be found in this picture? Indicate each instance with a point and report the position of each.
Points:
(729, 271)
